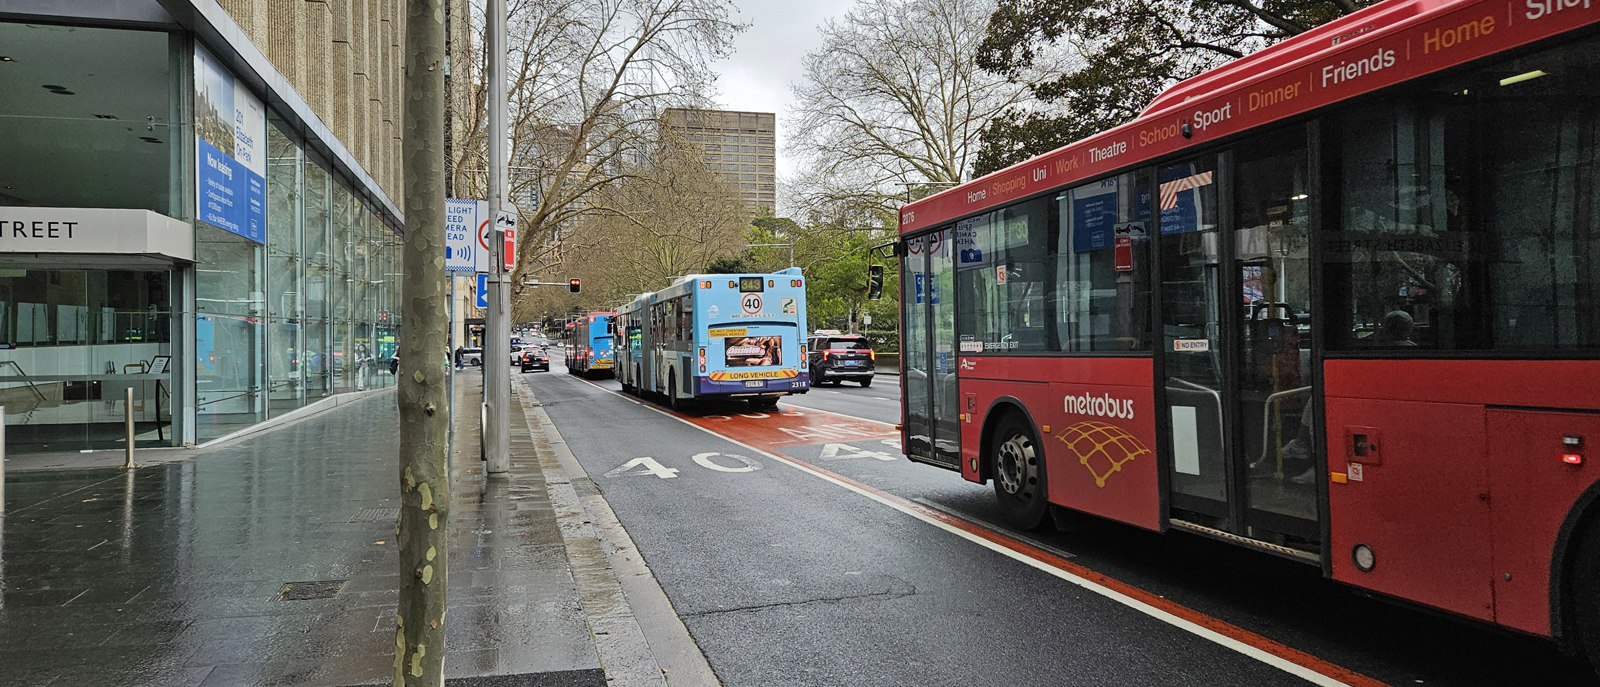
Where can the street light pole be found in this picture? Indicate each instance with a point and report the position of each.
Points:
(789, 245)
(497, 325)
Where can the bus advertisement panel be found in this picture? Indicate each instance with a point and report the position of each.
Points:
(1269, 312)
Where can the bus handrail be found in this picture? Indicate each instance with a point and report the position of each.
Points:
(1266, 418)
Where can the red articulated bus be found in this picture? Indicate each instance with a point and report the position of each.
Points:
(1403, 209)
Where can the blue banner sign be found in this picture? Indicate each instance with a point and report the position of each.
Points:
(230, 151)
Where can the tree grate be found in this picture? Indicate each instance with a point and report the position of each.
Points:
(376, 515)
(306, 591)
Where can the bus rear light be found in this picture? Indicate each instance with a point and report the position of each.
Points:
(1572, 458)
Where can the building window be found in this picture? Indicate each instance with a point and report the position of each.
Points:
(107, 138)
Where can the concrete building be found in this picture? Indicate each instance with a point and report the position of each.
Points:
(740, 146)
(202, 203)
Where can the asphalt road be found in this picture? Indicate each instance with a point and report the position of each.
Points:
(787, 579)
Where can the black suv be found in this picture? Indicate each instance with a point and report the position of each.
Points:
(839, 357)
(534, 358)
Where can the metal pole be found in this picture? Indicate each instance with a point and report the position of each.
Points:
(127, 426)
(2, 461)
(497, 328)
(450, 356)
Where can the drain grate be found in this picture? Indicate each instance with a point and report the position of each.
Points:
(376, 515)
(306, 591)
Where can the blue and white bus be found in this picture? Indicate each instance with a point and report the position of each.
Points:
(716, 336)
(589, 348)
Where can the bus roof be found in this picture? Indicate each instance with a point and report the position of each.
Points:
(1379, 46)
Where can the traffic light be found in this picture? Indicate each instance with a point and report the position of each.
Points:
(874, 282)
(574, 284)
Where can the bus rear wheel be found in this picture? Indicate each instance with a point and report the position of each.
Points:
(672, 392)
(1019, 481)
(1584, 590)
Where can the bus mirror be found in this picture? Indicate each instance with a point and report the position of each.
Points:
(874, 282)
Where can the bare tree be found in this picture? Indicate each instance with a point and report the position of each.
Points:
(893, 98)
(588, 80)
(668, 216)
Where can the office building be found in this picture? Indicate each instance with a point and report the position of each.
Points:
(201, 203)
(740, 146)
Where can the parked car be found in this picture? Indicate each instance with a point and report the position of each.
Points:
(516, 352)
(535, 359)
(472, 356)
(835, 357)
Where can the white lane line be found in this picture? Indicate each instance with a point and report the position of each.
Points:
(1195, 629)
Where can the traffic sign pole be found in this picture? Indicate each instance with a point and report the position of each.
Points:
(497, 328)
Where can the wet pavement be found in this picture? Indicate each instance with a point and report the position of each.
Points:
(176, 574)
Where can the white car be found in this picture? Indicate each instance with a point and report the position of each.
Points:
(516, 354)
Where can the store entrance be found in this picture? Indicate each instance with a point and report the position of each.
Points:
(72, 341)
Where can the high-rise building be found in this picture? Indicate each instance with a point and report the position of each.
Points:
(740, 146)
(203, 203)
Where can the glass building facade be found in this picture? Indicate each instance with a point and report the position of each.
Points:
(224, 333)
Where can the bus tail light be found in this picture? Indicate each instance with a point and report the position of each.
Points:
(1572, 458)
(1573, 442)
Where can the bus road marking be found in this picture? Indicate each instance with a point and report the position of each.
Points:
(705, 461)
(846, 451)
(644, 465)
(1227, 635)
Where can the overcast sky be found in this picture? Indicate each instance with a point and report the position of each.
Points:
(766, 57)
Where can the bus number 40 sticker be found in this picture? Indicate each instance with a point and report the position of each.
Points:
(751, 303)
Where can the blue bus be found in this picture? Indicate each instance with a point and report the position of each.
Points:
(716, 336)
(589, 350)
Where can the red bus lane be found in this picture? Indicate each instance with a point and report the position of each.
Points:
(774, 434)
(789, 426)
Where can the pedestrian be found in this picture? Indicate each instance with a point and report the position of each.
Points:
(458, 357)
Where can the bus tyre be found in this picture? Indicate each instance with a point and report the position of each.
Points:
(1584, 589)
(672, 392)
(1019, 481)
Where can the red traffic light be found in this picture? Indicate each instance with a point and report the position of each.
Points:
(574, 284)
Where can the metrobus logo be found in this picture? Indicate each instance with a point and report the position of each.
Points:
(1102, 406)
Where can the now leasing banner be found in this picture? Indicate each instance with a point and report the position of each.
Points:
(230, 151)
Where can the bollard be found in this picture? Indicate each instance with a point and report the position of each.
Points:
(127, 405)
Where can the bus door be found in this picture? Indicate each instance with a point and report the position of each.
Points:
(1237, 357)
(932, 424)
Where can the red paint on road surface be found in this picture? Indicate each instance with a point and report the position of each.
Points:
(773, 430)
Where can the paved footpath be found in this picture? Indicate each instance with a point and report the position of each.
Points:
(189, 572)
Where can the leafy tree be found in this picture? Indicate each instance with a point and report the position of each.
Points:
(730, 264)
(1122, 54)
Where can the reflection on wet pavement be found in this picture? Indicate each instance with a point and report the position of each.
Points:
(172, 574)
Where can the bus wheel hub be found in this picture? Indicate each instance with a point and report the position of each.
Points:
(1015, 466)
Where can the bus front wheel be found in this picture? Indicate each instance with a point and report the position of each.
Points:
(1019, 481)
